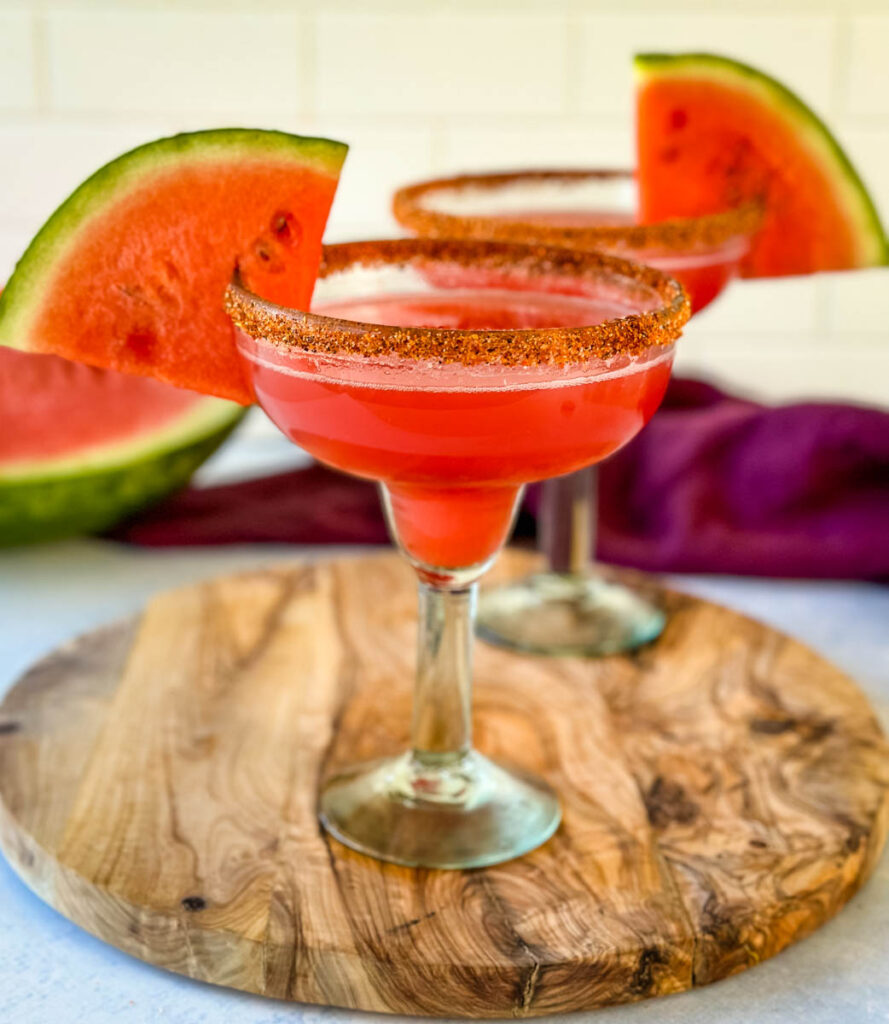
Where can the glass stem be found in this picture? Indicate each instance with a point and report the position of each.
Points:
(568, 521)
(442, 723)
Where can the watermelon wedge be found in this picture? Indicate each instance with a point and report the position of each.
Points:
(82, 448)
(713, 133)
(129, 272)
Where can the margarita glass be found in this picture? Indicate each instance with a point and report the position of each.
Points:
(570, 609)
(453, 373)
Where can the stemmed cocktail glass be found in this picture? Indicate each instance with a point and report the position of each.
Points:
(453, 373)
(569, 609)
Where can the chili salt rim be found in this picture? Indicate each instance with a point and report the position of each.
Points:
(630, 335)
(701, 233)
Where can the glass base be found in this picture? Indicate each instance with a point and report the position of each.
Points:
(460, 812)
(563, 614)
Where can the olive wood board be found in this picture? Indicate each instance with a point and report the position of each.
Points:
(724, 794)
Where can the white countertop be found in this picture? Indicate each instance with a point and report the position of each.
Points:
(51, 972)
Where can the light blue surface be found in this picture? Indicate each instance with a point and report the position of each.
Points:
(51, 972)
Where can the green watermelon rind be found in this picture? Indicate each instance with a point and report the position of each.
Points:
(21, 298)
(872, 238)
(92, 491)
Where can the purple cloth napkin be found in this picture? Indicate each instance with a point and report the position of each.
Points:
(316, 505)
(720, 484)
(713, 484)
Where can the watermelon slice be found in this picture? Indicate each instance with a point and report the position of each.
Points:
(82, 448)
(713, 133)
(129, 272)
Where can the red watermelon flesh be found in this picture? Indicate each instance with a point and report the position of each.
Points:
(51, 407)
(131, 270)
(713, 133)
(82, 448)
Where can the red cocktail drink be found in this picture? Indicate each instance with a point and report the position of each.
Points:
(454, 444)
(568, 609)
(453, 373)
(704, 271)
(583, 209)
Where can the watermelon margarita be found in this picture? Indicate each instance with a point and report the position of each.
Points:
(454, 444)
(567, 610)
(582, 210)
(453, 373)
(704, 272)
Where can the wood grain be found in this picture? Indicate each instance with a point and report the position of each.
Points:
(725, 793)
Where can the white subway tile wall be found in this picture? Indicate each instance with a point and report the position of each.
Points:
(535, 142)
(17, 73)
(169, 61)
(421, 88)
(379, 155)
(441, 64)
(868, 90)
(799, 48)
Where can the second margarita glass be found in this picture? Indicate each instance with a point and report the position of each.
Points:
(569, 609)
(454, 373)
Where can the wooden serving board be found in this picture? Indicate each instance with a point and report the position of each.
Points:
(725, 793)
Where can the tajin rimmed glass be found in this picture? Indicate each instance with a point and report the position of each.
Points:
(571, 608)
(453, 373)
(587, 209)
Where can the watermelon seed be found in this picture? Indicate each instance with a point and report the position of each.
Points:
(678, 119)
(172, 272)
(270, 250)
(286, 228)
(131, 291)
(269, 253)
(141, 343)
